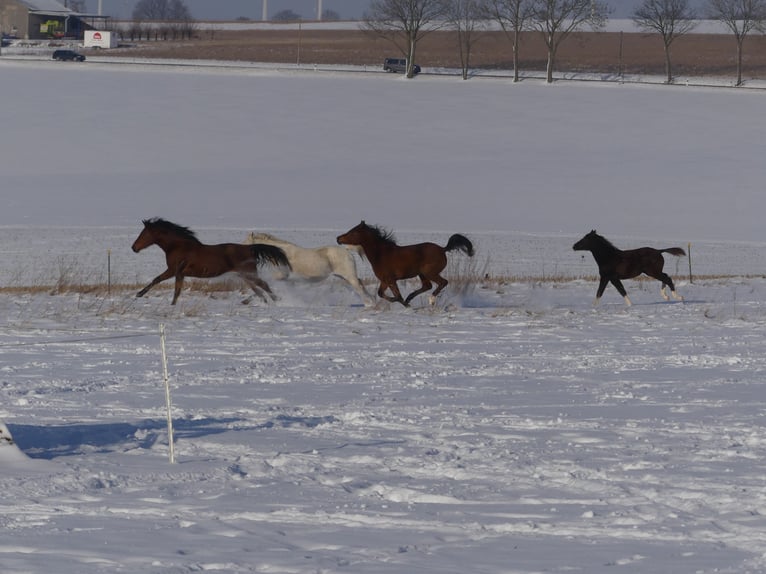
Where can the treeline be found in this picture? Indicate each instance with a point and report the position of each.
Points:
(406, 22)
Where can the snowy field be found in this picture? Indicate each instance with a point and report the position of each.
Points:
(511, 429)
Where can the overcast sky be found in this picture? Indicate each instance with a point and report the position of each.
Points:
(232, 9)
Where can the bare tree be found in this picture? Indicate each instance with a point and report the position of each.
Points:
(404, 23)
(669, 18)
(466, 16)
(557, 19)
(187, 28)
(161, 10)
(514, 17)
(286, 16)
(741, 17)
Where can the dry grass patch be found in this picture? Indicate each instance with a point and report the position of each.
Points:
(462, 278)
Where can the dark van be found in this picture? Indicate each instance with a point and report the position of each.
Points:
(398, 65)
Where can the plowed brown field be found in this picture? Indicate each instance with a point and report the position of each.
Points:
(599, 52)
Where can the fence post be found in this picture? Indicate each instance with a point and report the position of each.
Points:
(171, 452)
(108, 271)
(689, 256)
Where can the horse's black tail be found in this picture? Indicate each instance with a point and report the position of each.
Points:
(270, 254)
(460, 242)
(677, 251)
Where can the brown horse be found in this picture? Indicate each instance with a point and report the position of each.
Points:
(391, 262)
(186, 256)
(615, 264)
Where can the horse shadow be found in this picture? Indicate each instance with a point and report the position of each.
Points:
(50, 442)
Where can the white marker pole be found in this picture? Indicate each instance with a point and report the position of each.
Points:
(171, 453)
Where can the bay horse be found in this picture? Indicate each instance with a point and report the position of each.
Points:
(187, 256)
(615, 264)
(317, 263)
(391, 262)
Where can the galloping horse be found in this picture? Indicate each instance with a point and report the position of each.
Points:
(186, 256)
(615, 264)
(318, 263)
(391, 262)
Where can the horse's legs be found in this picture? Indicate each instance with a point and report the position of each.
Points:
(265, 287)
(345, 268)
(258, 286)
(178, 287)
(618, 285)
(357, 286)
(600, 291)
(425, 285)
(179, 281)
(167, 274)
(603, 281)
(666, 280)
(442, 282)
(394, 289)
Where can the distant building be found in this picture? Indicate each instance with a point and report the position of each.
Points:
(41, 19)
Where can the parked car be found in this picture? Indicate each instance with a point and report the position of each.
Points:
(68, 55)
(399, 65)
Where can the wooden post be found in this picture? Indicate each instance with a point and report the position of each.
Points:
(171, 452)
(300, 22)
(108, 271)
(689, 256)
(620, 57)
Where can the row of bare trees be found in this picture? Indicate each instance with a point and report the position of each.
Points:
(405, 22)
(136, 30)
(674, 18)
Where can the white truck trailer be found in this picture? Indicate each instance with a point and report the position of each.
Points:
(99, 39)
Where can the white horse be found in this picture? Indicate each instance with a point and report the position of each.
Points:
(318, 263)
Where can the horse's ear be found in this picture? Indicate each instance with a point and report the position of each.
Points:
(363, 223)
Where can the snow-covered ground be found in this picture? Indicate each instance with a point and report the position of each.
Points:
(514, 428)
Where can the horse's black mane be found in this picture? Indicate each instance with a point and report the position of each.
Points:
(384, 235)
(170, 227)
(602, 240)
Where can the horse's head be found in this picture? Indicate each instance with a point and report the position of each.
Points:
(364, 233)
(145, 238)
(354, 236)
(161, 231)
(587, 243)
